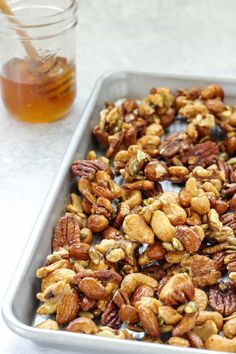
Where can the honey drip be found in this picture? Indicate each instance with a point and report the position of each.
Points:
(38, 94)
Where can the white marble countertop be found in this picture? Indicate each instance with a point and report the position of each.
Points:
(184, 36)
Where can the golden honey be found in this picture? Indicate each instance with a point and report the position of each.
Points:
(38, 93)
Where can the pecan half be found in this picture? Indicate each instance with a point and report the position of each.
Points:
(67, 232)
(88, 168)
(202, 270)
(202, 154)
(110, 316)
(218, 258)
(120, 298)
(230, 262)
(229, 219)
(222, 298)
(174, 143)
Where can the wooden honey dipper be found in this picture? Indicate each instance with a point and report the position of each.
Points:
(52, 89)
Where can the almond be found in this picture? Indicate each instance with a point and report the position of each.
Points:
(80, 251)
(68, 308)
(92, 288)
(142, 291)
(188, 237)
(128, 314)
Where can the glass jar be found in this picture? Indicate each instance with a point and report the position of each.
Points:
(37, 53)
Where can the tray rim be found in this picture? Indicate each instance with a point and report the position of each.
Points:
(39, 335)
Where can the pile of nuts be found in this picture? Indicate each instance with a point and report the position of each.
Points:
(133, 261)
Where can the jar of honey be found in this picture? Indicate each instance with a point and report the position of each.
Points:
(37, 56)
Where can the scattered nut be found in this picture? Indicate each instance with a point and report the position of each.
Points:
(48, 324)
(162, 227)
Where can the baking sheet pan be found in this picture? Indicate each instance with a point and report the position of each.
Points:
(20, 303)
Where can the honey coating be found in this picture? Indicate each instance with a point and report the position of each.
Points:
(157, 267)
(38, 94)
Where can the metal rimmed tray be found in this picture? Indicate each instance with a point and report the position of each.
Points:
(20, 303)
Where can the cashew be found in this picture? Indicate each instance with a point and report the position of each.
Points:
(137, 230)
(169, 315)
(191, 187)
(162, 227)
(155, 129)
(207, 329)
(175, 256)
(209, 187)
(201, 299)
(229, 328)
(210, 315)
(111, 333)
(55, 257)
(175, 214)
(216, 342)
(178, 289)
(85, 188)
(178, 341)
(169, 197)
(149, 302)
(200, 204)
(76, 204)
(132, 198)
(48, 324)
(115, 255)
(133, 280)
(107, 245)
(82, 325)
(44, 271)
(147, 140)
(214, 220)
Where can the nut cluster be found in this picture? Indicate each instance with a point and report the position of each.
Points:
(128, 252)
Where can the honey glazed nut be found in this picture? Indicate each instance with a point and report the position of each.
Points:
(129, 255)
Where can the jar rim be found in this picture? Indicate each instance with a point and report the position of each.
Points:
(40, 21)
